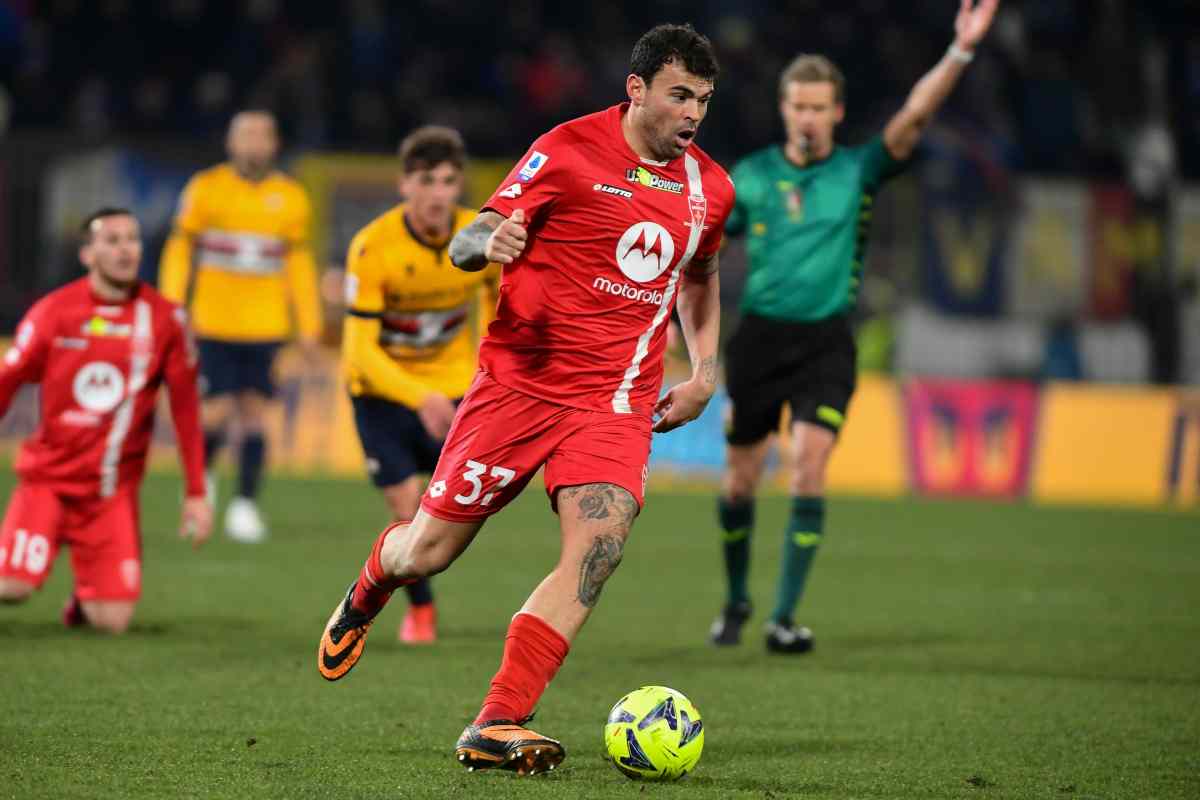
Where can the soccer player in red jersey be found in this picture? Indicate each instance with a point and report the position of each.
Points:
(100, 347)
(606, 222)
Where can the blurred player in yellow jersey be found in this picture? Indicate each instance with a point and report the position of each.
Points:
(411, 333)
(240, 251)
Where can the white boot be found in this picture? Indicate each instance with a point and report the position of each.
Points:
(243, 522)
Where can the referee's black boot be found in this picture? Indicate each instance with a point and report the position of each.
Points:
(727, 627)
(787, 637)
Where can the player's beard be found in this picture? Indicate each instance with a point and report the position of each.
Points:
(659, 136)
(253, 169)
(118, 283)
(665, 146)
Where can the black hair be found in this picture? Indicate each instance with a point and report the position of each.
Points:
(678, 44)
(85, 228)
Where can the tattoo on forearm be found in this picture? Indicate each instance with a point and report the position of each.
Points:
(598, 565)
(468, 246)
(708, 370)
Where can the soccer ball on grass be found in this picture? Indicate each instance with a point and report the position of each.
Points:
(655, 734)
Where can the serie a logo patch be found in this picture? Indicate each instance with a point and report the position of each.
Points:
(536, 161)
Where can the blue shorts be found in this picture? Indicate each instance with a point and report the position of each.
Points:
(227, 367)
(394, 440)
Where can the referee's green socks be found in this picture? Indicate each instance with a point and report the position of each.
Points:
(805, 529)
(737, 523)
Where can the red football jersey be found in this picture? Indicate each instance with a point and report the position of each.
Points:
(583, 311)
(100, 365)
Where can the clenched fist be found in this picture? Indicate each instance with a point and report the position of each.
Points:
(508, 240)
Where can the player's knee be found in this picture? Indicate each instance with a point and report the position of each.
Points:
(215, 411)
(808, 472)
(14, 591)
(109, 618)
(403, 499)
(251, 411)
(738, 485)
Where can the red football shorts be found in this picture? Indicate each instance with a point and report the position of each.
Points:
(501, 437)
(101, 533)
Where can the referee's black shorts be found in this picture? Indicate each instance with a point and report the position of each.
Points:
(809, 365)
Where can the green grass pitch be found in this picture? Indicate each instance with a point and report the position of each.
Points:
(963, 651)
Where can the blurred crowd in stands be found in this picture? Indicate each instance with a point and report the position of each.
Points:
(1103, 92)
(1066, 85)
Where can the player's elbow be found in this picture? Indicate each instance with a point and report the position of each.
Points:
(465, 256)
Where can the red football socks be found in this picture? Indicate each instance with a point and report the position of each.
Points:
(533, 652)
(373, 589)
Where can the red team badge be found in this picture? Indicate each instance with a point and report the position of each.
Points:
(699, 208)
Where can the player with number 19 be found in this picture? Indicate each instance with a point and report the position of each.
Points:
(100, 347)
(606, 221)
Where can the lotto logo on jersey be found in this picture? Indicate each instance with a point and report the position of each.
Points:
(536, 161)
(645, 251)
(608, 189)
(512, 192)
(99, 387)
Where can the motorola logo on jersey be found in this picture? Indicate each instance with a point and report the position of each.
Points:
(99, 387)
(645, 251)
(629, 292)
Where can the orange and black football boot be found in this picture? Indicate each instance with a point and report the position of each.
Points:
(504, 744)
(343, 640)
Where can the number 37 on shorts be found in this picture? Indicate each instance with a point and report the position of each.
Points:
(471, 490)
(475, 475)
(500, 438)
